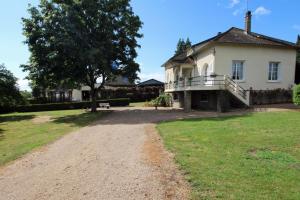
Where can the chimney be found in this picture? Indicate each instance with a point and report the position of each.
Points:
(248, 22)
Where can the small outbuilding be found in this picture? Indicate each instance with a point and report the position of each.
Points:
(151, 83)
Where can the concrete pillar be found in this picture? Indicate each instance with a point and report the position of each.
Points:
(223, 103)
(181, 99)
(187, 101)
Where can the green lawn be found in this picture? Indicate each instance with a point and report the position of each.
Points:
(22, 132)
(256, 156)
(137, 104)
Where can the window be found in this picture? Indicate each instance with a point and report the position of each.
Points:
(238, 70)
(273, 71)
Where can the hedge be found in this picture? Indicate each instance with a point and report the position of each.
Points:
(261, 97)
(135, 94)
(6, 109)
(69, 105)
(296, 95)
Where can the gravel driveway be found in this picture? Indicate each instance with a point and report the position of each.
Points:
(118, 157)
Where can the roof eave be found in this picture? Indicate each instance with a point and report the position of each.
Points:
(263, 45)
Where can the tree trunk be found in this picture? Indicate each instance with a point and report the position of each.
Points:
(94, 100)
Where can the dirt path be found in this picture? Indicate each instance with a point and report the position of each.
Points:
(119, 157)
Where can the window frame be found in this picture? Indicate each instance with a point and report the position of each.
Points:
(243, 70)
(278, 72)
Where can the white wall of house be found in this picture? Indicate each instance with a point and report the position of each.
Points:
(169, 73)
(205, 59)
(219, 59)
(76, 95)
(256, 65)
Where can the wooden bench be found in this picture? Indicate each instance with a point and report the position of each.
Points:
(104, 105)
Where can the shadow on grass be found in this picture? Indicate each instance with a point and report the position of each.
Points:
(220, 118)
(141, 116)
(80, 120)
(14, 118)
(133, 116)
(1, 134)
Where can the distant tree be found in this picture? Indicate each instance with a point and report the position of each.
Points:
(9, 92)
(298, 53)
(182, 46)
(188, 43)
(81, 42)
(26, 94)
(38, 91)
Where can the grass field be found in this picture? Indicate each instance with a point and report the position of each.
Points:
(256, 156)
(137, 104)
(22, 132)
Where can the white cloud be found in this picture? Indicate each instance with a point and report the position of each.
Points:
(297, 27)
(233, 3)
(262, 11)
(238, 11)
(157, 76)
(23, 84)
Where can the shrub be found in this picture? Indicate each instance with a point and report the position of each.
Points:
(7, 109)
(296, 95)
(69, 105)
(261, 97)
(135, 94)
(164, 100)
(52, 106)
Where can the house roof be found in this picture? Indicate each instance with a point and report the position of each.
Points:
(239, 36)
(234, 36)
(151, 82)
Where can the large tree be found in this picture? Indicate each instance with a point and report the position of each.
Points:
(182, 46)
(9, 92)
(81, 42)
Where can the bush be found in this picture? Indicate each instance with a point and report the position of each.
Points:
(69, 105)
(135, 94)
(164, 100)
(52, 106)
(296, 95)
(7, 109)
(261, 97)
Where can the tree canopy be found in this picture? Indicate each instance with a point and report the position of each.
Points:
(81, 42)
(182, 46)
(9, 92)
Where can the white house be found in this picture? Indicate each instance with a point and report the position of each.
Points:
(228, 66)
(83, 93)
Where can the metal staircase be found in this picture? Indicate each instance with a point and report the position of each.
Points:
(235, 89)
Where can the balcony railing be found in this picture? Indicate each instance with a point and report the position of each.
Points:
(198, 82)
(218, 82)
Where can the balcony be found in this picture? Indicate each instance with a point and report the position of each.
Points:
(209, 83)
(196, 83)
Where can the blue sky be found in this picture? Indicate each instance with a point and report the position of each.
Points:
(165, 21)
